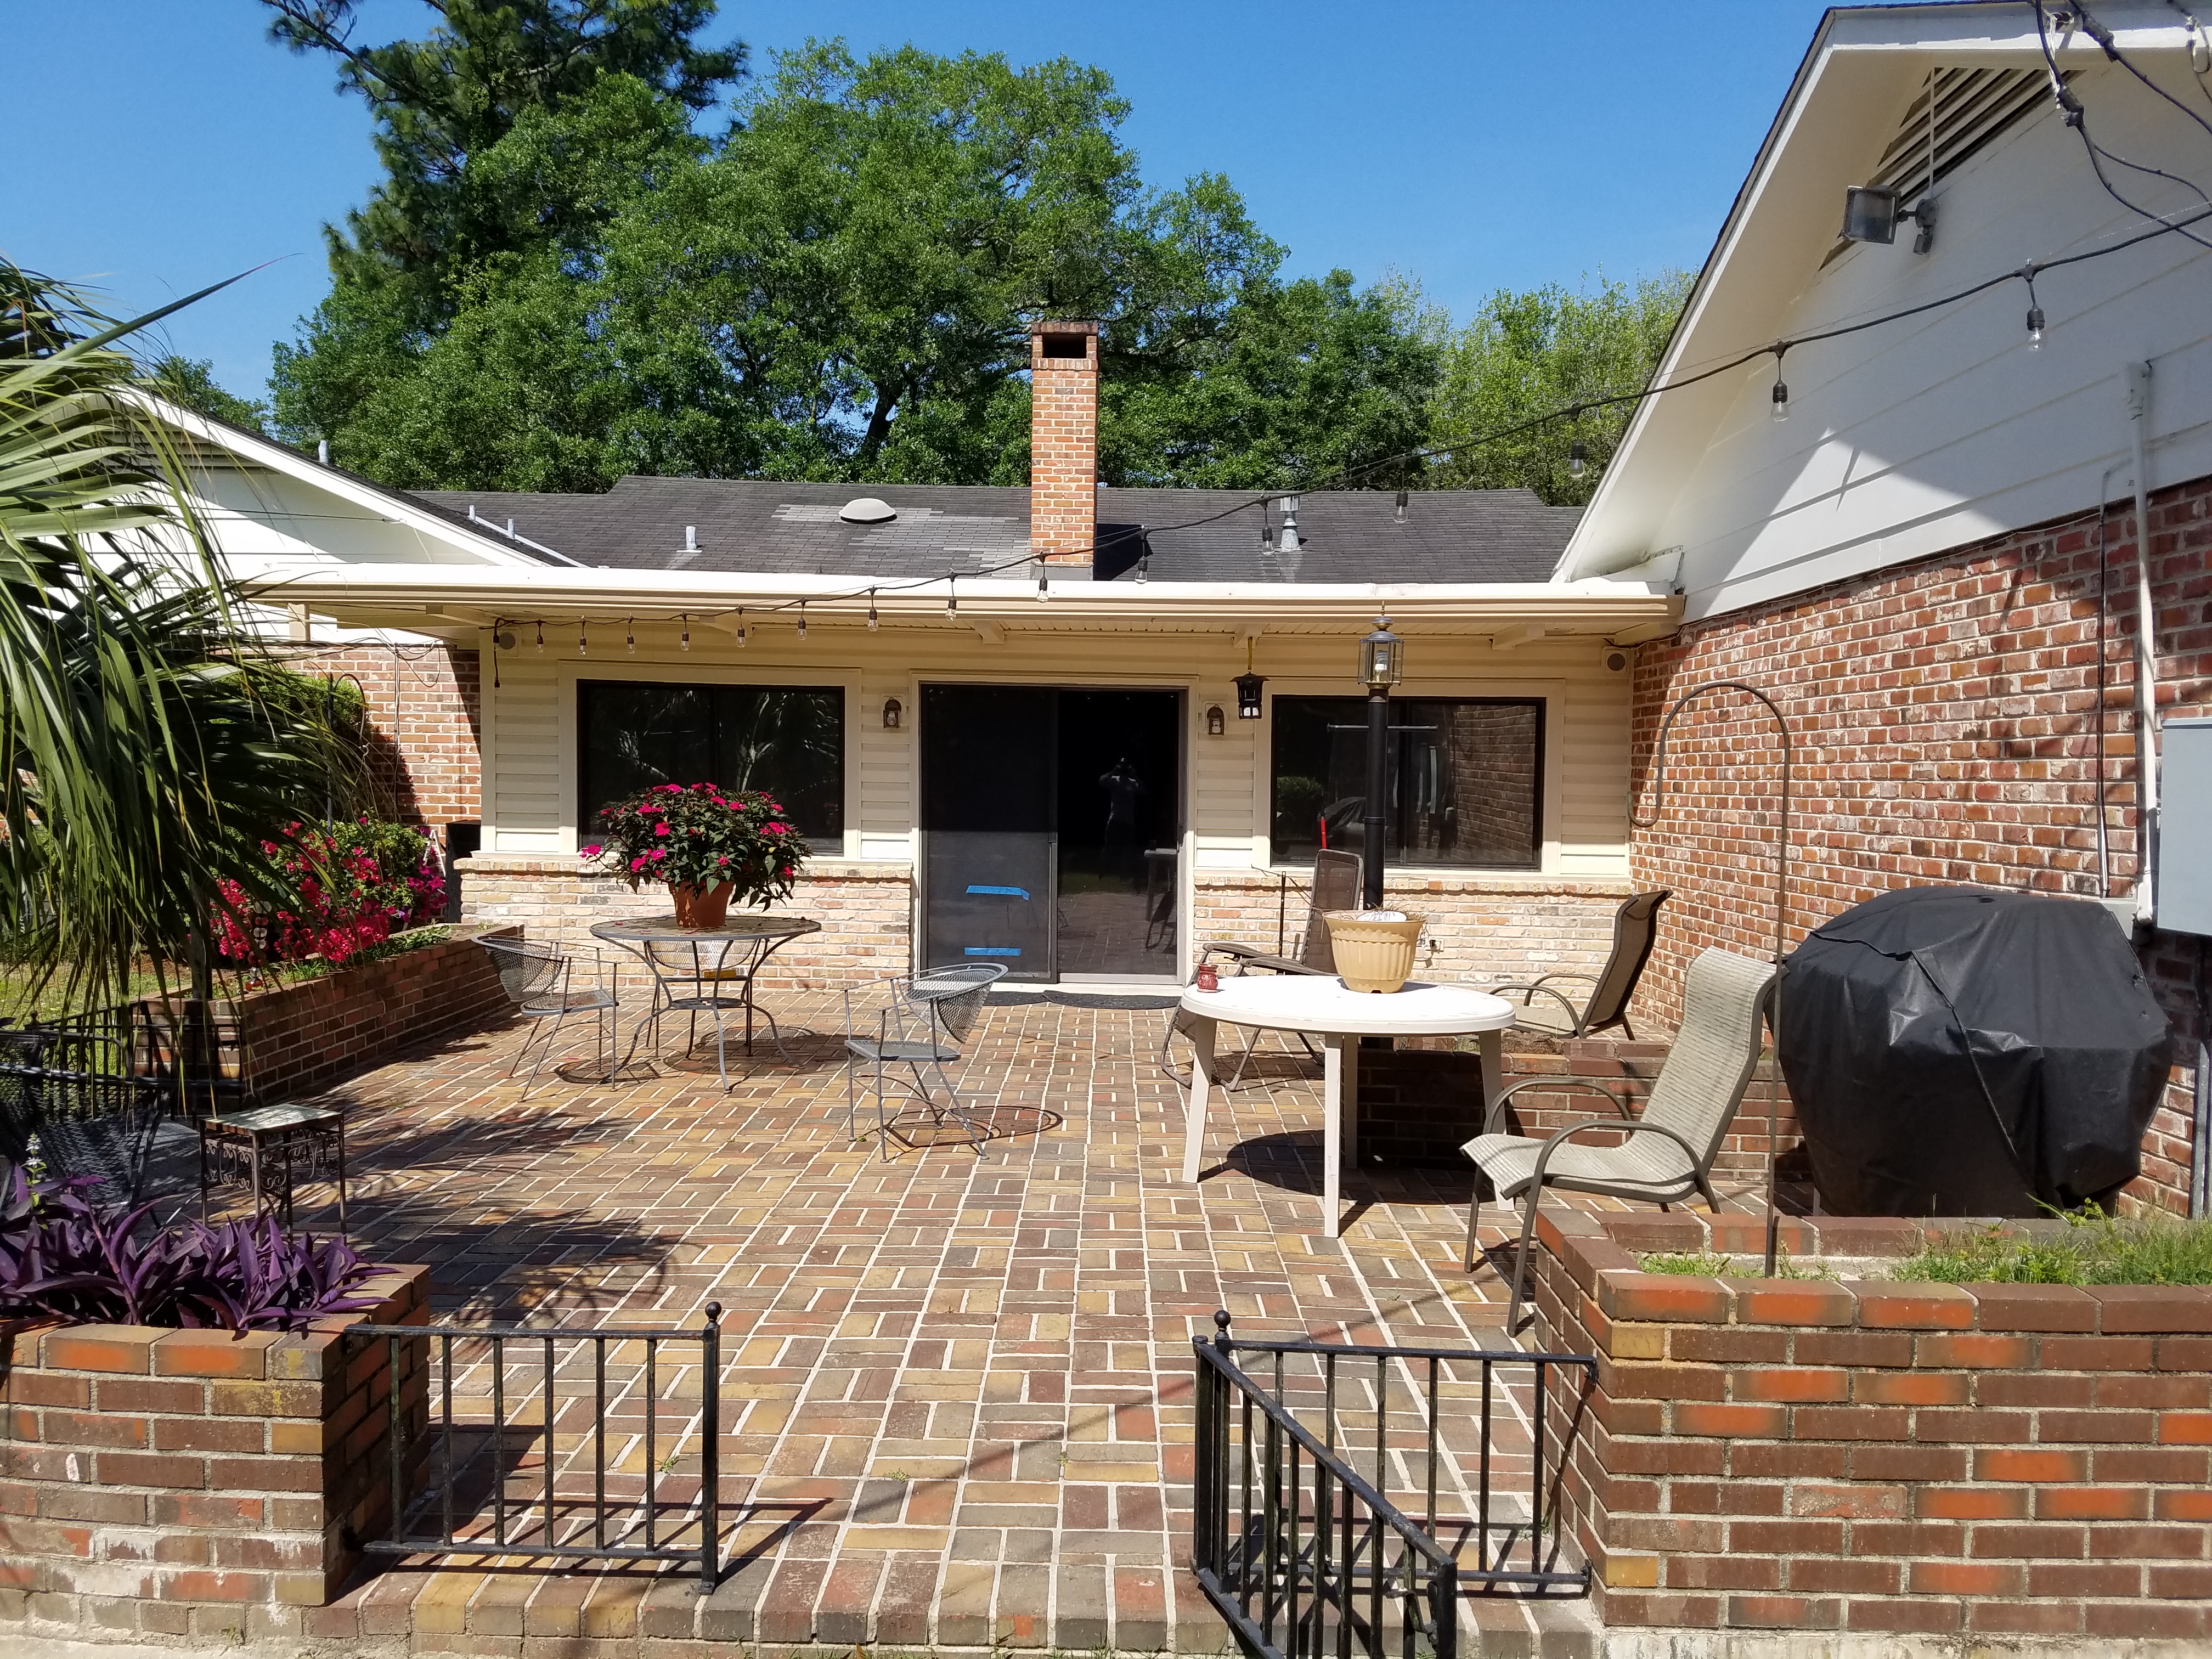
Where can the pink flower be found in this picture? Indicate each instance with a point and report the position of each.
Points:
(784, 871)
(657, 852)
(775, 828)
(638, 863)
(589, 851)
(659, 828)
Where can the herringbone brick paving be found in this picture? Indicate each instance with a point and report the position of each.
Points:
(956, 1399)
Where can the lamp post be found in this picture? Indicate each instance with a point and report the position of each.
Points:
(1382, 665)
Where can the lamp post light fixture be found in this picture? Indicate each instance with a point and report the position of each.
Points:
(1382, 665)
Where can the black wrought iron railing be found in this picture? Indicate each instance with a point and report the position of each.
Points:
(594, 1444)
(1348, 1497)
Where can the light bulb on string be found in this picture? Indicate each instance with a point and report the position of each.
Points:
(1044, 585)
(1577, 457)
(802, 619)
(2034, 310)
(873, 623)
(741, 628)
(952, 598)
(541, 636)
(687, 630)
(583, 643)
(1780, 396)
(630, 634)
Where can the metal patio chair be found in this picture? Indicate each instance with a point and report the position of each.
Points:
(542, 984)
(70, 1088)
(925, 1018)
(1668, 1151)
(1635, 930)
(1335, 886)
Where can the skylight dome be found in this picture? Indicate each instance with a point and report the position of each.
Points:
(867, 509)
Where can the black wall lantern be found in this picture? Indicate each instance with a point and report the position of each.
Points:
(1248, 687)
(1214, 725)
(891, 713)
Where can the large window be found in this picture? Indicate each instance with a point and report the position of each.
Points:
(1465, 780)
(787, 740)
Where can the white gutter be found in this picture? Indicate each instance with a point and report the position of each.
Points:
(479, 594)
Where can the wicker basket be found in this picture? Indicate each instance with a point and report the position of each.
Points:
(1373, 956)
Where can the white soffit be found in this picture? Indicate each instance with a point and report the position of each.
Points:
(1844, 122)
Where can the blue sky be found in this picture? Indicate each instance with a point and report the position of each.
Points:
(158, 145)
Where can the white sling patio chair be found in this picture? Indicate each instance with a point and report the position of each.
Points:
(1668, 1151)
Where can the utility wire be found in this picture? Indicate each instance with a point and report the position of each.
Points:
(2078, 118)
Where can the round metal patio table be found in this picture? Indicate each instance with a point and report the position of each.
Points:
(1321, 1006)
(699, 970)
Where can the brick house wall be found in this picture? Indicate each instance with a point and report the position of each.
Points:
(1945, 715)
(426, 712)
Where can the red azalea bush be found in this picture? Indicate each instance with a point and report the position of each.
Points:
(348, 886)
(697, 835)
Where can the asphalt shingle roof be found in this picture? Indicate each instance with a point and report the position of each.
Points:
(766, 528)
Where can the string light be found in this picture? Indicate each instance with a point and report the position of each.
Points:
(687, 630)
(951, 597)
(741, 628)
(1781, 393)
(632, 626)
(873, 623)
(541, 636)
(2034, 311)
(802, 619)
(1577, 457)
(583, 645)
(1044, 584)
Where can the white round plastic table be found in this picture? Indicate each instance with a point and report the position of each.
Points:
(1322, 1006)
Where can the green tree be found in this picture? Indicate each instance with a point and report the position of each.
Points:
(1524, 354)
(139, 762)
(190, 382)
(527, 78)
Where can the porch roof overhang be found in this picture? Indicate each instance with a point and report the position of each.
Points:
(456, 602)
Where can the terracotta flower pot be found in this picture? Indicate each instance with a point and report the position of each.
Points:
(700, 907)
(1372, 956)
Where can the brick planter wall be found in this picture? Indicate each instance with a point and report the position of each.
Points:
(1874, 1457)
(303, 1037)
(195, 1484)
(1945, 714)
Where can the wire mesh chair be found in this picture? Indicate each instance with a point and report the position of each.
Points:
(919, 1029)
(72, 1087)
(541, 982)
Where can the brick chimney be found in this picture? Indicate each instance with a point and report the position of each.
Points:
(1063, 441)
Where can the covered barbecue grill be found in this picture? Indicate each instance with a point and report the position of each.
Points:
(1969, 1051)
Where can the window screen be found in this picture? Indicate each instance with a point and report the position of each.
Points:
(1465, 780)
(787, 740)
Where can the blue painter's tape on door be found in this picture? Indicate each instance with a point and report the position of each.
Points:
(1005, 892)
(993, 951)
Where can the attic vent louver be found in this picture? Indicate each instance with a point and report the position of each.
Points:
(1972, 106)
(867, 509)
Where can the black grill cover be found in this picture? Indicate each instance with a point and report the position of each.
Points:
(1965, 1051)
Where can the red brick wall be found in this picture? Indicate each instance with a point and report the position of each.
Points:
(425, 716)
(195, 1483)
(1063, 445)
(1872, 1456)
(303, 1037)
(1944, 715)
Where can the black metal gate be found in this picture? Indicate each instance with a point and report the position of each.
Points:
(515, 1458)
(1304, 1543)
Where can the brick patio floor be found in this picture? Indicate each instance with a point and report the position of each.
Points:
(957, 1393)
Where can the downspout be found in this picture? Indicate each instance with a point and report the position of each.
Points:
(2138, 376)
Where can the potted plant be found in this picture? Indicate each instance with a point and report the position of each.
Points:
(709, 844)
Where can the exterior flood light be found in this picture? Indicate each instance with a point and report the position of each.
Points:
(1871, 213)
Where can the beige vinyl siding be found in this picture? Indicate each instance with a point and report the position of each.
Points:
(530, 737)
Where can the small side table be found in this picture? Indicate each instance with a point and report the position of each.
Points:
(271, 1149)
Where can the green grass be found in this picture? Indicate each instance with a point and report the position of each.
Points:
(1708, 1264)
(2091, 1249)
